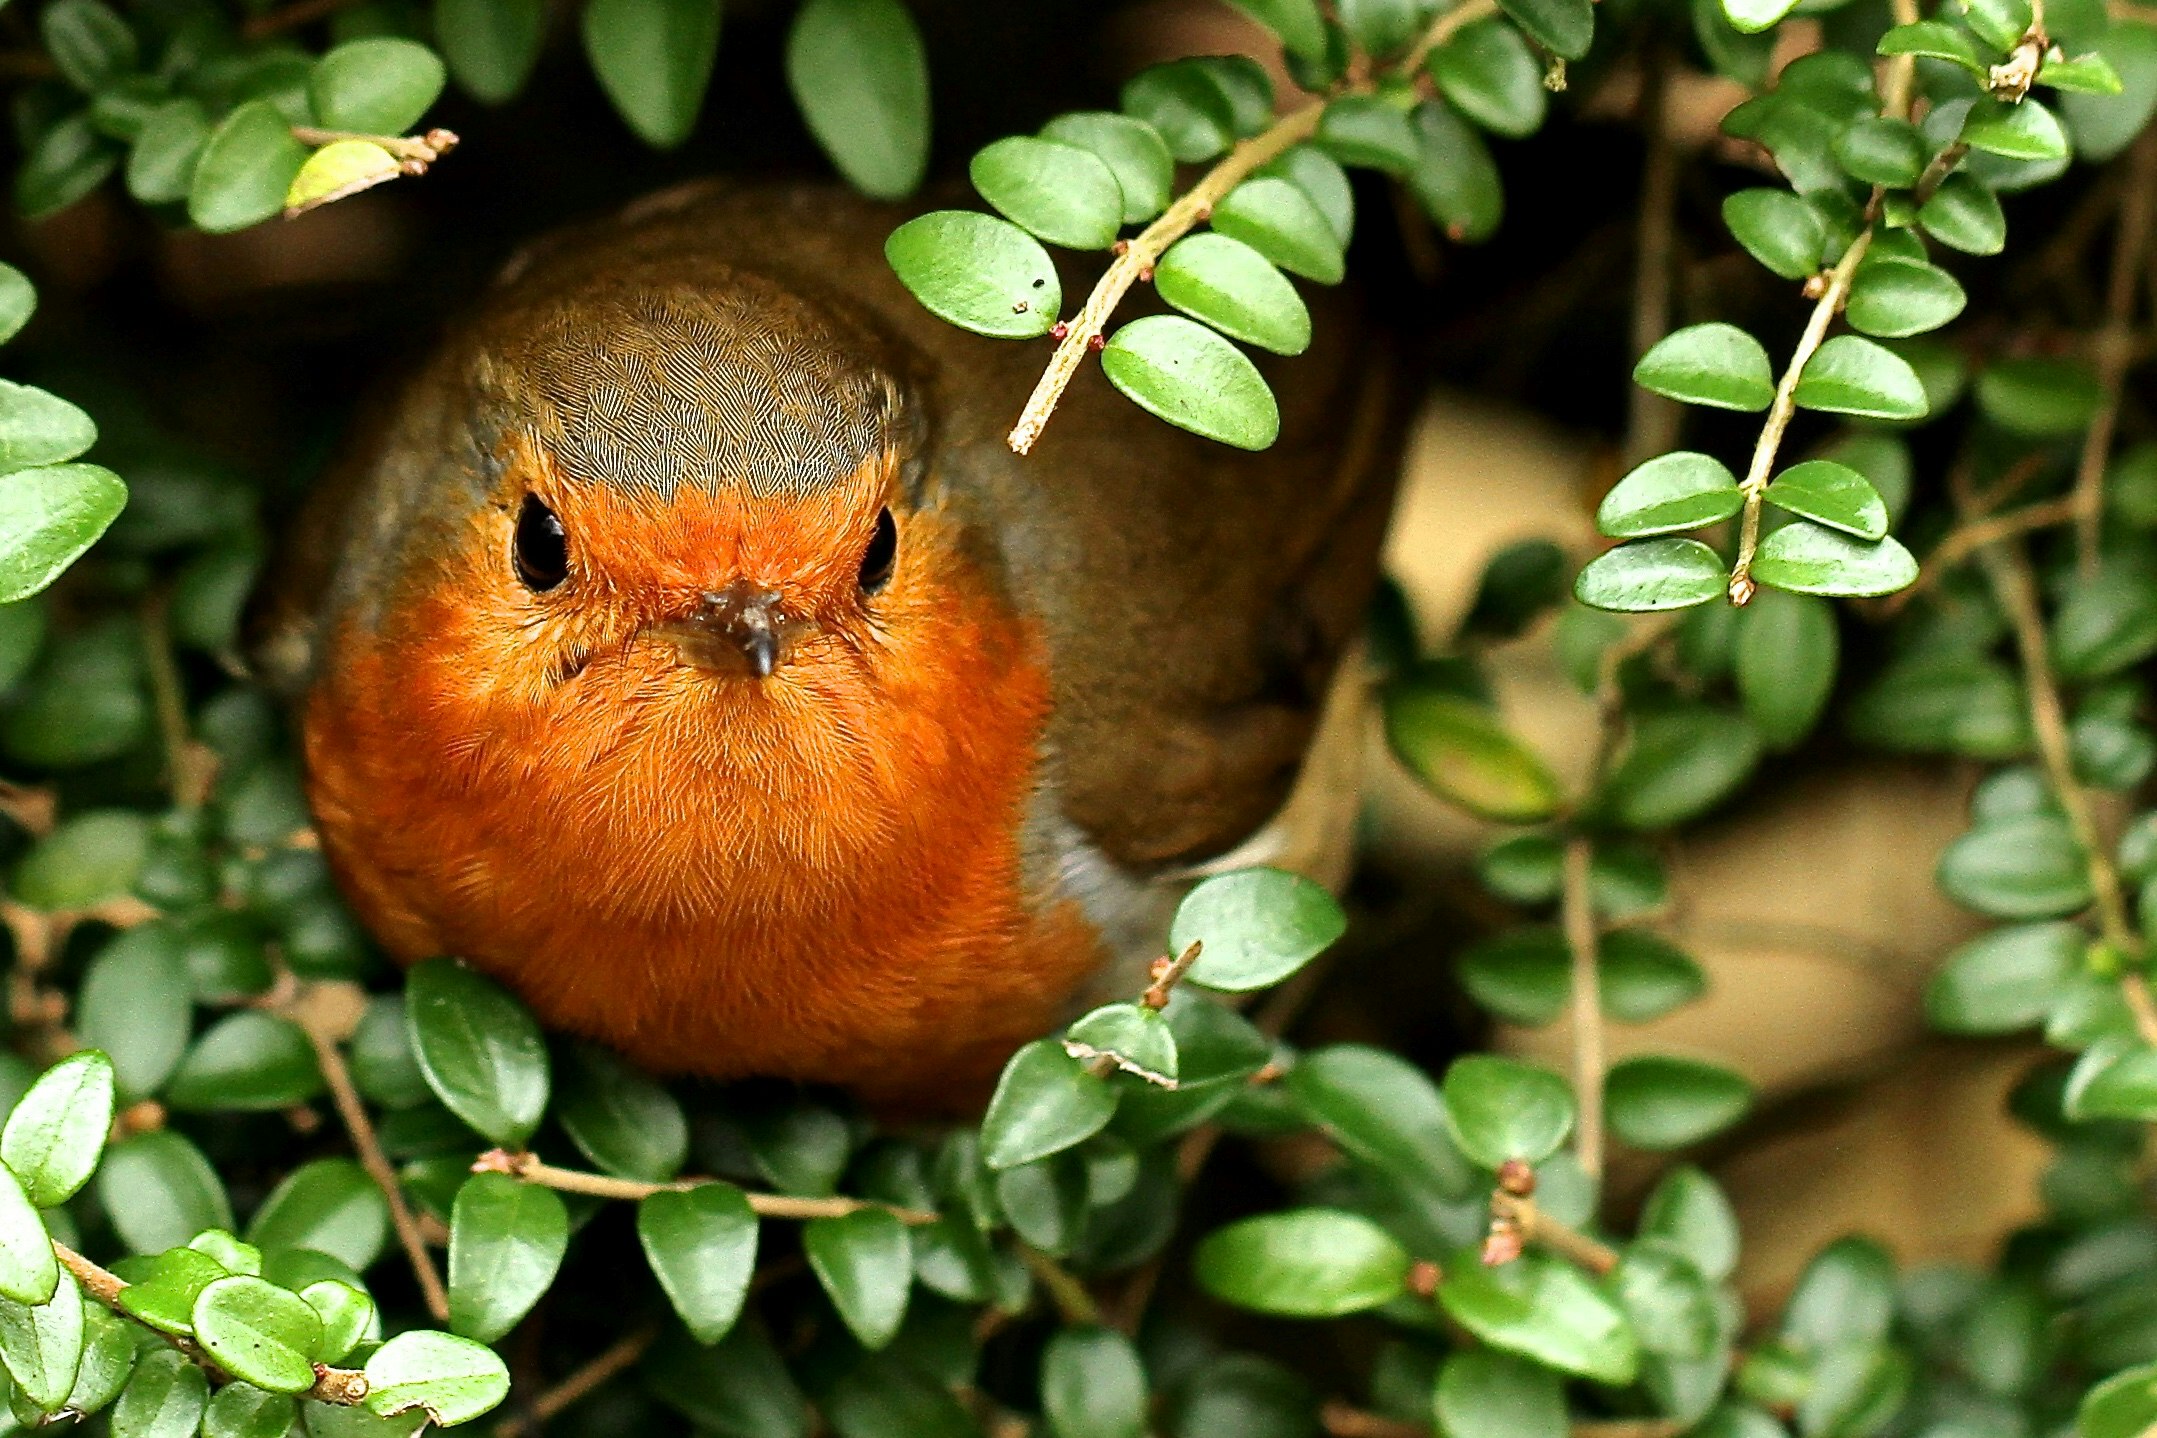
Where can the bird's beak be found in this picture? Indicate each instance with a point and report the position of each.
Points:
(739, 630)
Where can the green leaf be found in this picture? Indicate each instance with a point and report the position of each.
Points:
(135, 1005)
(654, 60)
(2005, 980)
(1064, 194)
(377, 86)
(1778, 229)
(1502, 1109)
(1717, 365)
(1652, 574)
(860, 75)
(56, 1132)
(1322, 179)
(623, 1121)
(1235, 289)
(346, 1312)
(1364, 130)
(1383, 1110)
(1184, 106)
(1656, 1102)
(801, 1147)
(163, 1295)
(89, 43)
(506, 1241)
(1564, 27)
(160, 1191)
(1302, 33)
(2106, 623)
(1455, 179)
(28, 1271)
(2090, 74)
(866, 1266)
(480, 1050)
(70, 161)
(2028, 867)
(1935, 39)
(1964, 214)
(383, 1064)
(2123, 1406)
(1687, 1213)
(1305, 1263)
(977, 272)
(1751, 17)
(1852, 375)
(1845, 1295)
(163, 1399)
(2022, 131)
(41, 1345)
(1831, 494)
(1464, 753)
(451, 1379)
(1490, 75)
(1136, 1037)
(1672, 1307)
(1379, 27)
(1672, 492)
(1179, 371)
(1093, 1385)
(89, 858)
(2104, 125)
(241, 1410)
(1680, 764)
(1044, 1103)
(1896, 298)
(1496, 1395)
(701, 1245)
(245, 168)
(1277, 218)
(2043, 398)
(248, 1061)
(1257, 927)
(1133, 151)
(739, 1388)
(1784, 663)
(18, 301)
(490, 45)
(259, 1333)
(1882, 151)
(37, 428)
(327, 1206)
(48, 517)
(1806, 558)
(2116, 1078)
(1543, 1309)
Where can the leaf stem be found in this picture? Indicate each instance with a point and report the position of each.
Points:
(1577, 914)
(1537, 1227)
(2114, 346)
(416, 151)
(1168, 975)
(528, 1167)
(1074, 1303)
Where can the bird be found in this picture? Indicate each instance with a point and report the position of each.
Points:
(683, 647)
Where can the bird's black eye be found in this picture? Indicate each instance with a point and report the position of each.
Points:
(877, 559)
(542, 547)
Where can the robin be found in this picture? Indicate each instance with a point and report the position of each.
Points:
(686, 650)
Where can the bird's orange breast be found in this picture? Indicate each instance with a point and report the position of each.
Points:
(818, 874)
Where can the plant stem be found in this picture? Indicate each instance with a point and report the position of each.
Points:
(618, 1357)
(2115, 346)
(530, 1169)
(1966, 539)
(1074, 1303)
(190, 768)
(1567, 1242)
(342, 1386)
(1651, 422)
(1577, 913)
(416, 151)
(1139, 255)
(1165, 981)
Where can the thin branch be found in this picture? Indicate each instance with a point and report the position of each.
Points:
(617, 1358)
(1167, 974)
(190, 766)
(416, 152)
(1537, 1227)
(530, 1169)
(1651, 422)
(1444, 28)
(2115, 346)
(342, 1386)
(1966, 539)
(1577, 914)
(1345, 1420)
(1074, 1303)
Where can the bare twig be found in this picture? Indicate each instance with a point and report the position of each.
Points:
(190, 766)
(530, 1169)
(1537, 1227)
(1651, 423)
(617, 1358)
(1074, 1303)
(416, 152)
(1577, 913)
(2114, 345)
(1965, 540)
(1167, 974)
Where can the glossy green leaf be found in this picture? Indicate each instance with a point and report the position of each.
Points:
(241, 1410)
(2004, 980)
(702, 1247)
(1302, 32)
(2107, 622)
(1133, 151)
(18, 301)
(2090, 74)
(1751, 17)
(1964, 214)
(865, 1263)
(378, 86)
(1687, 1213)
(1364, 130)
(244, 170)
(506, 1241)
(89, 42)
(2122, 1406)
(479, 1048)
(1543, 1309)
(91, 857)
(1564, 27)
(1852, 375)
(135, 1005)
(1718, 365)
(1832, 494)
(490, 45)
(28, 1270)
(1277, 218)
(1806, 558)
(1062, 193)
(1672, 492)
(1304, 1263)
(1487, 72)
(1896, 298)
(2028, 867)
(1784, 662)
(160, 1191)
(1501, 1108)
(654, 59)
(1136, 1037)
(328, 1206)
(1322, 179)
(1496, 1395)
(1882, 151)
(1179, 371)
(56, 1132)
(1257, 926)
(1652, 574)
(1093, 1385)
(1044, 1103)
(1937, 40)
(1657, 1102)
(41, 1346)
(1680, 764)
(1778, 229)
(2039, 397)
(1385, 1111)
(164, 1398)
(48, 517)
(2105, 125)
(1232, 287)
(978, 272)
(1463, 752)
(248, 1061)
(860, 76)
(624, 1122)
(259, 1333)
(1455, 179)
(37, 428)
(68, 162)
(1184, 106)
(2022, 131)
(347, 1314)
(452, 1379)
(1379, 27)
